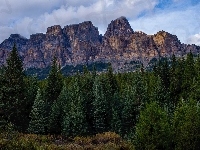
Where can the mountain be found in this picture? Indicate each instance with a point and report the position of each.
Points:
(80, 44)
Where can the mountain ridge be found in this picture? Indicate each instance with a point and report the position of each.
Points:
(82, 44)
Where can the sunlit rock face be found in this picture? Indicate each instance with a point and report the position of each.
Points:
(82, 44)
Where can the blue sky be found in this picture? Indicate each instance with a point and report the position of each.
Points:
(179, 17)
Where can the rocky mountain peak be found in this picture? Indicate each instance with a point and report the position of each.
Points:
(54, 30)
(14, 38)
(119, 27)
(82, 44)
(167, 43)
(37, 36)
(84, 31)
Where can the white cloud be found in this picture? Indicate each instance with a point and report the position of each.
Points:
(194, 39)
(182, 23)
(28, 17)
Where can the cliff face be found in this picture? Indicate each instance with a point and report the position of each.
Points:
(81, 44)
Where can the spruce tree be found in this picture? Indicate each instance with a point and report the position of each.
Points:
(54, 84)
(13, 91)
(162, 95)
(134, 98)
(38, 120)
(87, 81)
(153, 130)
(116, 121)
(74, 120)
(58, 110)
(129, 111)
(100, 106)
(188, 75)
(197, 66)
(186, 125)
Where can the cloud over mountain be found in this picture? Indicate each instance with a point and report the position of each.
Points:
(26, 17)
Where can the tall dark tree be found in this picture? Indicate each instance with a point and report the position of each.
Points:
(188, 75)
(54, 83)
(13, 94)
(165, 73)
(87, 81)
(58, 110)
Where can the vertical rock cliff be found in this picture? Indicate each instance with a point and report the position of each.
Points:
(82, 44)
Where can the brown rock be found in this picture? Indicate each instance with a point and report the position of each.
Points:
(81, 44)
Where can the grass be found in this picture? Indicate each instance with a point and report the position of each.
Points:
(104, 141)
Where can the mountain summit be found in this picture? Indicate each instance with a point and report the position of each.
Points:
(82, 44)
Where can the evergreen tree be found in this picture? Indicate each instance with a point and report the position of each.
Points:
(162, 95)
(186, 126)
(54, 84)
(195, 88)
(38, 120)
(87, 81)
(134, 98)
(164, 72)
(57, 112)
(13, 91)
(153, 130)
(31, 85)
(197, 67)
(74, 120)
(188, 75)
(100, 106)
(116, 123)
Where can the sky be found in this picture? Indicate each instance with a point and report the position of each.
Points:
(26, 17)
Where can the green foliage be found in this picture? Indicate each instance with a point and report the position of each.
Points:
(57, 111)
(74, 120)
(89, 103)
(13, 91)
(153, 130)
(87, 81)
(133, 99)
(54, 84)
(186, 126)
(38, 120)
(100, 106)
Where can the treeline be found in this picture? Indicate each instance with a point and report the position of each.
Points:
(155, 110)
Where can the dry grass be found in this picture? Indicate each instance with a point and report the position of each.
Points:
(105, 141)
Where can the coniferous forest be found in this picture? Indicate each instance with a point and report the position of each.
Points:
(142, 110)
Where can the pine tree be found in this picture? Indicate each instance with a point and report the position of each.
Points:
(162, 95)
(134, 98)
(165, 73)
(31, 85)
(57, 112)
(116, 123)
(54, 84)
(153, 130)
(38, 120)
(100, 106)
(186, 125)
(74, 120)
(13, 91)
(188, 75)
(195, 88)
(197, 67)
(87, 81)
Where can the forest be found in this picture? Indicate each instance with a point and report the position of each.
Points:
(142, 110)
